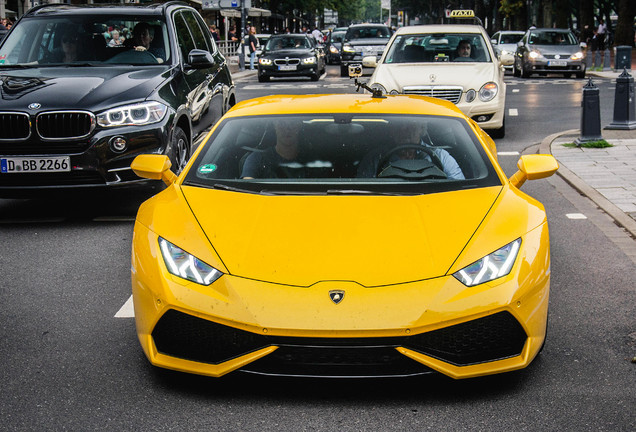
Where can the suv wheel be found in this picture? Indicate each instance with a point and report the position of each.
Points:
(344, 70)
(180, 150)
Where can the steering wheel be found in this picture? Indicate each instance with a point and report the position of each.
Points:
(436, 161)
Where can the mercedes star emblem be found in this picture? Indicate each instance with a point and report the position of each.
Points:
(432, 77)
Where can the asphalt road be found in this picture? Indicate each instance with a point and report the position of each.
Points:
(70, 359)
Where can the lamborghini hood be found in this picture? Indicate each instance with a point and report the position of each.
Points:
(374, 241)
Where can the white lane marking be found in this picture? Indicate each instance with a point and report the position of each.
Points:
(576, 216)
(515, 90)
(508, 153)
(513, 112)
(127, 310)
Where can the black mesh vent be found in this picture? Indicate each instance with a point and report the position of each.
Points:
(192, 338)
(485, 339)
(14, 126)
(30, 147)
(64, 125)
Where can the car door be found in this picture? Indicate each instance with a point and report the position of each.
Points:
(204, 105)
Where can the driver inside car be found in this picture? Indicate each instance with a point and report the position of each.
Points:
(409, 145)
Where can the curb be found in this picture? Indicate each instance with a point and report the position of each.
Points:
(573, 180)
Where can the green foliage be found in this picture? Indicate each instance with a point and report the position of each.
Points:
(590, 144)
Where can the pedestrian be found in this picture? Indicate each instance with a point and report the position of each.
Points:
(601, 33)
(215, 33)
(253, 43)
(318, 36)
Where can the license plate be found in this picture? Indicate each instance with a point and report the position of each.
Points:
(35, 164)
(557, 63)
(287, 67)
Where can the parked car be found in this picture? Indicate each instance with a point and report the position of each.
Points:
(549, 50)
(333, 46)
(288, 55)
(505, 44)
(425, 60)
(328, 235)
(75, 111)
(362, 40)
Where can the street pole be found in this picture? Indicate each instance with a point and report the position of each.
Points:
(243, 24)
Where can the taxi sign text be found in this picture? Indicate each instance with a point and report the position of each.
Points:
(462, 14)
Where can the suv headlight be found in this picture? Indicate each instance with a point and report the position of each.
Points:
(309, 60)
(488, 91)
(186, 266)
(264, 61)
(348, 49)
(333, 49)
(133, 115)
(534, 54)
(492, 266)
(577, 56)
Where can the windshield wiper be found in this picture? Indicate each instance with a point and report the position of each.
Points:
(359, 192)
(235, 189)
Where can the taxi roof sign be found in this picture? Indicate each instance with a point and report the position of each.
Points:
(462, 13)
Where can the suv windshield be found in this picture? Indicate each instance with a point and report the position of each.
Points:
(548, 37)
(338, 152)
(439, 47)
(368, 32)
(94, 39)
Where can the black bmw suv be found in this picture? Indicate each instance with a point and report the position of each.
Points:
(85, 89)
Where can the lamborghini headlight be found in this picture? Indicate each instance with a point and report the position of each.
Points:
(492, 266)
(182, 264)
(133, 115)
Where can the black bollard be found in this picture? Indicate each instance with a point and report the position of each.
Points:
(590, 115)
(624, 103)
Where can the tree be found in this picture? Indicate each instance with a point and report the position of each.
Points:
(624, 25)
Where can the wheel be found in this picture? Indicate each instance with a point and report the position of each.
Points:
(567, 75)
(580, 74)
(263, 78)
(498, 133)
(344, 71)
(315, 77)
(179, 150)
(515, 71)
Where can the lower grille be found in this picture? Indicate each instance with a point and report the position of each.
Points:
(43, 148)
(482, 340)
(52, 179)
(485, 339)
(453, 94)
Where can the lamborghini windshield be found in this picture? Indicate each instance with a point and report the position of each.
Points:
(343, 152)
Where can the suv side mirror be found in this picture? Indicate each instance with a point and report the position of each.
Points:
(200, 59)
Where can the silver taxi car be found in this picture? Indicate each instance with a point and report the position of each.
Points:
(455, 62)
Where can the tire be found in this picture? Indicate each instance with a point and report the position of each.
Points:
(515, 71)
(567, 75)
(580, 75)
(263, 78)
(179, 150)
(315, 77)
(344, 70)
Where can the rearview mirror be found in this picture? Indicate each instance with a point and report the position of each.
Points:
(534, 167)
(154, 167)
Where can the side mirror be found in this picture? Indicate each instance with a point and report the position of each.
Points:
(154, 167)
(534, 167)
(494, 41)
(200, 59)
(369, 61)
(520, 43)
(583, 45)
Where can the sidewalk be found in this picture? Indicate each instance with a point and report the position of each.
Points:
(607, 176)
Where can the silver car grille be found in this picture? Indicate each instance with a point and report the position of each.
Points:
(449, 93)
(287, 61)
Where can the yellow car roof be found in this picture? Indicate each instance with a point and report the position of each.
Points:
(344, 103)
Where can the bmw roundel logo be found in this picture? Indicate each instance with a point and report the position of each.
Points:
(35, 106)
